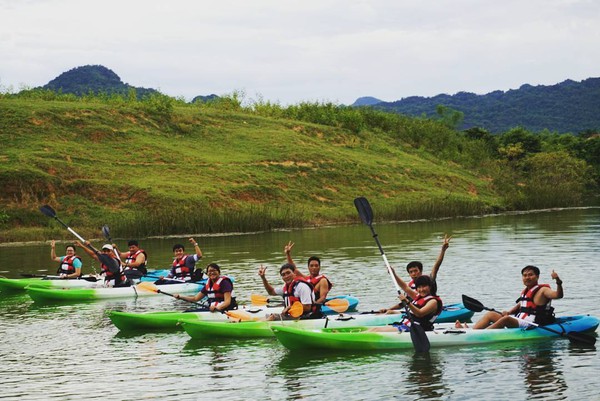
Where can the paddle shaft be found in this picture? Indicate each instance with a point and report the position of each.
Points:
(417, 333)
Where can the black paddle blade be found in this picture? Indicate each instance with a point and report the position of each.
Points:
(106, 233)
(364, 210)
(581, 338)
(48, 211)
(419, 338)
(472, 304)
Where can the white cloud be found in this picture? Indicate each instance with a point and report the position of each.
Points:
(291, 51)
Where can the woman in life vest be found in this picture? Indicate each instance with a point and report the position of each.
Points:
(424, 307)
(533, 305)
(320, 282)
(295, 289)
(218, 290)
(70, 264)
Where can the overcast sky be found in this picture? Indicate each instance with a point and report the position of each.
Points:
(292, 51)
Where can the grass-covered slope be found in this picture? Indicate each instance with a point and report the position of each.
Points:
(208, 170)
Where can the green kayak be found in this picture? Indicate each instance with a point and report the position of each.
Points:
(361, 339)
(21, 284)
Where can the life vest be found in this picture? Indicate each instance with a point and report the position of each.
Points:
(179, 269)
(66, 265)
(288, 293)
(543, 313)
(412, 285)
(132, 256)
(108, 275)
(315, 280)
(425, 321)
(215, 293)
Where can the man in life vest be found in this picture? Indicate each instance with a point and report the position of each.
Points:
(113, 274)
(532, 306)
(70, 264)
(184, 265)
(415, 270)
(218, 291)
(320, 282)
(295, 289)
(135, 261)
(424, 306)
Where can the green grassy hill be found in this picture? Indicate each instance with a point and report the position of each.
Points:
(193, 169)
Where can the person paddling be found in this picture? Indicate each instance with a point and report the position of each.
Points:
(320, 282)
(295, 289)
(415, 270)
(70, 264)
(218, 290)
(532, 306)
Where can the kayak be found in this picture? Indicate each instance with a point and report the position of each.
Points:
(48, 295)
(20, 284)
(168, 321)
(209, 328)
(253, 329)
(360, 339)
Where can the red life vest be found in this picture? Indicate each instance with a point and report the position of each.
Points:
(108, 275)
(425, 321)
(527, 307)
(215, 293)
(315, 280)
(132, 256)
(288, 293)
(179, 269)
(66, 265)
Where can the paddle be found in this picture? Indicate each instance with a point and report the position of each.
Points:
(148, 286)
(417, 333)
(339, 305)
(86, 278)
(106, 260)
(476, 306)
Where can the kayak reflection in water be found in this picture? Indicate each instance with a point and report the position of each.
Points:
(533, 305)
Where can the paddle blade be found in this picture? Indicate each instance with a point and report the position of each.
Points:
(338, 305)
(581, 338)
(240, 315)
(257, 299)
(472, 304)
(419, 338)
(296, 310)
(364, 210)
(48, 211)
(106, 233)
(147, 286)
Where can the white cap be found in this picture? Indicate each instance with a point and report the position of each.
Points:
(107, 246)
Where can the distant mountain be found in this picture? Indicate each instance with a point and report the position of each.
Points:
(565, 107)
(366, 101)
(93, 78)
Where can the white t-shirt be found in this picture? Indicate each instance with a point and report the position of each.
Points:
(302, 292)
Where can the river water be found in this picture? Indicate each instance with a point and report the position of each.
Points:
(68, 352)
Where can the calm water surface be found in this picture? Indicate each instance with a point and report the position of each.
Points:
(74, 352)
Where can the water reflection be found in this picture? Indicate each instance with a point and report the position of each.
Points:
(425, 373)
(543, 374)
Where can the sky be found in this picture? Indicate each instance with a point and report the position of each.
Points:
(288, 51)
